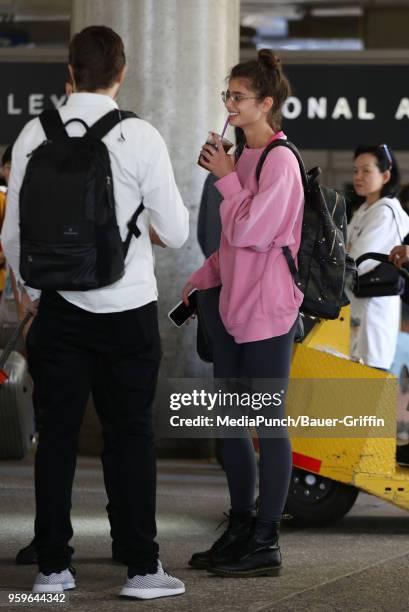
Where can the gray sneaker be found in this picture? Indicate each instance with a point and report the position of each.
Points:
(55, 583)
(150, 586)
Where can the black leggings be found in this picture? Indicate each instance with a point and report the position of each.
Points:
(265, 359)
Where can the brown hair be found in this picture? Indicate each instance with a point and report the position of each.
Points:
(266, 79)
(97, 56)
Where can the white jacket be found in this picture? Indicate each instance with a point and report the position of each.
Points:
(375, 322)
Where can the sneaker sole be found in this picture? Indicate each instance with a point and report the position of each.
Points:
(54, 588)
(149, 593)
(67, 586)
(48, 588)
(263, 571)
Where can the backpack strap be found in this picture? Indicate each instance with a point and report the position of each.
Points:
(133, 229)
(77, 120)
(52, 124)
(280, 142)
(100, 129)
(396, 221)
(109, 121)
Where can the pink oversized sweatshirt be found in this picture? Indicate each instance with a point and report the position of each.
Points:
(259, 298)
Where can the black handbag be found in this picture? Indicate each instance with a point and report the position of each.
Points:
(207, 311)
(386, 279)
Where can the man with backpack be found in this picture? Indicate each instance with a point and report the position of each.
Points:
(87, 184)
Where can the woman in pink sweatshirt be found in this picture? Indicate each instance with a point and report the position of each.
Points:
(253, 332)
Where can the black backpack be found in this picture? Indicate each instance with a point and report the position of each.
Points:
(323, 264)
(69, 234)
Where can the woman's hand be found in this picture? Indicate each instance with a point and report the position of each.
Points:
(185, 293)
(218, 162)
(399, 255)
(185, 297)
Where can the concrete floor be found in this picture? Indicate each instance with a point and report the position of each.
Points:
(358, 565)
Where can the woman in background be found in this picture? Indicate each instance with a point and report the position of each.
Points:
(378, 224)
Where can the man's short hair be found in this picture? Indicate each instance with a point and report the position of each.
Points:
(97, 56)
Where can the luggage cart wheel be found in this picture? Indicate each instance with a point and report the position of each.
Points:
(314, 500)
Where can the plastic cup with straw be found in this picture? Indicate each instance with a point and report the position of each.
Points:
(227, 145)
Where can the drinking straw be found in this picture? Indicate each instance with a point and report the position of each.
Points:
(225, 127)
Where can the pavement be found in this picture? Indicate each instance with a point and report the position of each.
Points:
(359, 564)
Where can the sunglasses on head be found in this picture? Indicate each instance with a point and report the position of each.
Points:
(387, 154)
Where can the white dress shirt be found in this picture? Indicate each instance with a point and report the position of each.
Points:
(141, 170)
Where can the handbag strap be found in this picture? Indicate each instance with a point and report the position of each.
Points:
(396, 221)
(382, 258)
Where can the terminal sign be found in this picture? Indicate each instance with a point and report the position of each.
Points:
(331, 106)
(341, 106)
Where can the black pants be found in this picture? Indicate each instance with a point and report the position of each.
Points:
(102, 402)
(65, 347)
(259, 366)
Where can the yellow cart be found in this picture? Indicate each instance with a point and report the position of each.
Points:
(329, 471)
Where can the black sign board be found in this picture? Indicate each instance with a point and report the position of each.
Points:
(26, 89)
(340, 106)
(332, 107)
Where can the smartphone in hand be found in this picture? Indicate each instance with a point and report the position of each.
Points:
(181, 313)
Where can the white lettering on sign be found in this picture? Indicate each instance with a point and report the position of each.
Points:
(11, 109)
(32, 105)
(363, 113)
(342, 109)
(403, 109)
(317, 108)
(292, 108)
(35, 104)
(58, 101)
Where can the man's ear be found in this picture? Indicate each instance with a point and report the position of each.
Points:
(121, 75)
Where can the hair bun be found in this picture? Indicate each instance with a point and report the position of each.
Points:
(267, 58)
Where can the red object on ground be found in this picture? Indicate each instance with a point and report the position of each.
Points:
(3, 377)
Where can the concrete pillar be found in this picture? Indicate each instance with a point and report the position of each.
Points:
(178, 55)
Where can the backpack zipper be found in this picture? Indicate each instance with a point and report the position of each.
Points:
(46, 141)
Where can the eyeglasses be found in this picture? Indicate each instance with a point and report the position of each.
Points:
(388, 156)
(235, 97)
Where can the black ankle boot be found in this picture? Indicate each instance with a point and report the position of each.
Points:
(238, 529)
(258, 555)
